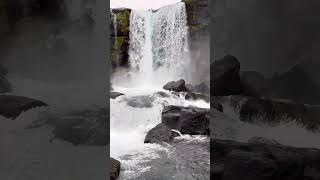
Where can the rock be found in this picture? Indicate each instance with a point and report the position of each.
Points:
(255, 84)
(5, 85)
(115, 169)
(262, 140)
(190, 87)
(187, 120)
(216, 105)
(233, 160)
(177, 86)
(12, 106)
(197, 96)
(160, 133)
(114, 95)
(225, 79)
(202, 88)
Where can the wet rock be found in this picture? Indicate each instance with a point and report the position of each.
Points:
(160, 133)
(114, 95)
(115, 169)
(233, 160)
(5, 85)
(202, 88)
(190, 87)
(187, 120)
(225, 79)
(216, 105)
(197, 96)
(177, 86)
(12, 106)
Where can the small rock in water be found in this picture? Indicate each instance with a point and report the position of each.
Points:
(115, 169)
(140, 101)
(160, 133)
(197, 96)
(177, 86)
(114, 95)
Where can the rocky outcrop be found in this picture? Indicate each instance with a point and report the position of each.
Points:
(115, 169)
(160, 133)
(12, 106)
(225, 79)
(187, 120)
(176, 86)
(233, 160)
(119, 36)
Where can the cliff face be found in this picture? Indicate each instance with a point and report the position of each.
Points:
(119, 37)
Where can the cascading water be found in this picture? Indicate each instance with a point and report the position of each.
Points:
(158, 54)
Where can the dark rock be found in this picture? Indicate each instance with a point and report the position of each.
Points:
(255, 84)
(216, 105)
(177, 86)
(262, 140)
(187, 120)
(114, 95)
(5, 85)
(12, 106)
(160, 133)
(197, 96)
(115, 169)
(225, 79)
(234, 160)
(190, 87)
(202, 88)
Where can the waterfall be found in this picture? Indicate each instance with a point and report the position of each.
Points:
(159, 43)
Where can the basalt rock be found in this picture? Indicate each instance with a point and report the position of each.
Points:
(160, 133)
(225, 79)
(115, 169)
(188, 120)
(234, 160)
(177, 86)
(114, 95)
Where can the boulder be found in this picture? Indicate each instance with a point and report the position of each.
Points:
(115, 169)
(160, 133)
(12, 106)
(176, 86)
(140, 101)
(202, 88)
(233, 160)
(187, 120)
(225, 79)
(197, 96)
(255, 84)
(114, 95)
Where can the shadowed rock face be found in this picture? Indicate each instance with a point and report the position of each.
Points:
(115, 169)
(12, 106)
(233, 160)
(160, 133)
(177, 86)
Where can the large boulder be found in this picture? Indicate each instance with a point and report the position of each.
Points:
(225, 79)
(160, 133)
(176, 86)
(115, 169)
(114, 95)
(197, 96)
(234, 160)
(187, 120)
(255, 84)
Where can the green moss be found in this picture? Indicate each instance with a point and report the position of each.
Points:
(123, 18)
(120, 41)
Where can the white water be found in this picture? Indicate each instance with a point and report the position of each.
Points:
(158, 54)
